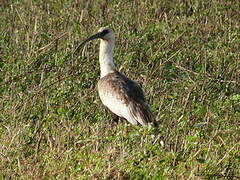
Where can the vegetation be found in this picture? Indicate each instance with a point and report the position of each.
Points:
(185, 55)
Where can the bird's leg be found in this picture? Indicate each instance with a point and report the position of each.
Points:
(114, 119)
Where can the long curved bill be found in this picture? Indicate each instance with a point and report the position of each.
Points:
(95, 36)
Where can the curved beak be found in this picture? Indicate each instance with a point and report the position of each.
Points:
(95, 36)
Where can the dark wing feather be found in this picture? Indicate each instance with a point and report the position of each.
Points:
(133, 90)
(131, 94)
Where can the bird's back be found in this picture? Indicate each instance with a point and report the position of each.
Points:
(124, 98)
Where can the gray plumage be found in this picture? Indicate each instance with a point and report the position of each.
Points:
(129, 93)
(119, 94)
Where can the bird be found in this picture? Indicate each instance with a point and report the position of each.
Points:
(121, 95)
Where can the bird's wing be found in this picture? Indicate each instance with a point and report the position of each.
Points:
(125, 98)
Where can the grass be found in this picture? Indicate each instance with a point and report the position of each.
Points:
(185, 54)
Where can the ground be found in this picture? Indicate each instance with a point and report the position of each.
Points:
(185, 55)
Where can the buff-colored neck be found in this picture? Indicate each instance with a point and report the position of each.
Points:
(106, 57)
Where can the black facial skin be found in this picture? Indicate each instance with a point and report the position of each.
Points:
(104, 32)
(95, 36)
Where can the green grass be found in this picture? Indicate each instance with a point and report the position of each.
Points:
(185, 55)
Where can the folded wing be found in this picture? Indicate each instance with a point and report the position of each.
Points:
(125, 98)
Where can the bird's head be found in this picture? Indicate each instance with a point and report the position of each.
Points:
(104, 33)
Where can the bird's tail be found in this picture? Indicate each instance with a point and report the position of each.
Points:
(142, 114)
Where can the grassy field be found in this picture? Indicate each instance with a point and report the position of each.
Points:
(185, 55)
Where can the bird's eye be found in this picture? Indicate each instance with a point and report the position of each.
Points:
(105, 31)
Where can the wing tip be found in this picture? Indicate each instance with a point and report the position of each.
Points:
(142, 114)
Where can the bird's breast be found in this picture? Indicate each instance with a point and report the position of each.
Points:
(112, 99)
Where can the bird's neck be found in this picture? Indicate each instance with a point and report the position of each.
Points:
(106, 57)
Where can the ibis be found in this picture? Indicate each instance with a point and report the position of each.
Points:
(119, 94)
